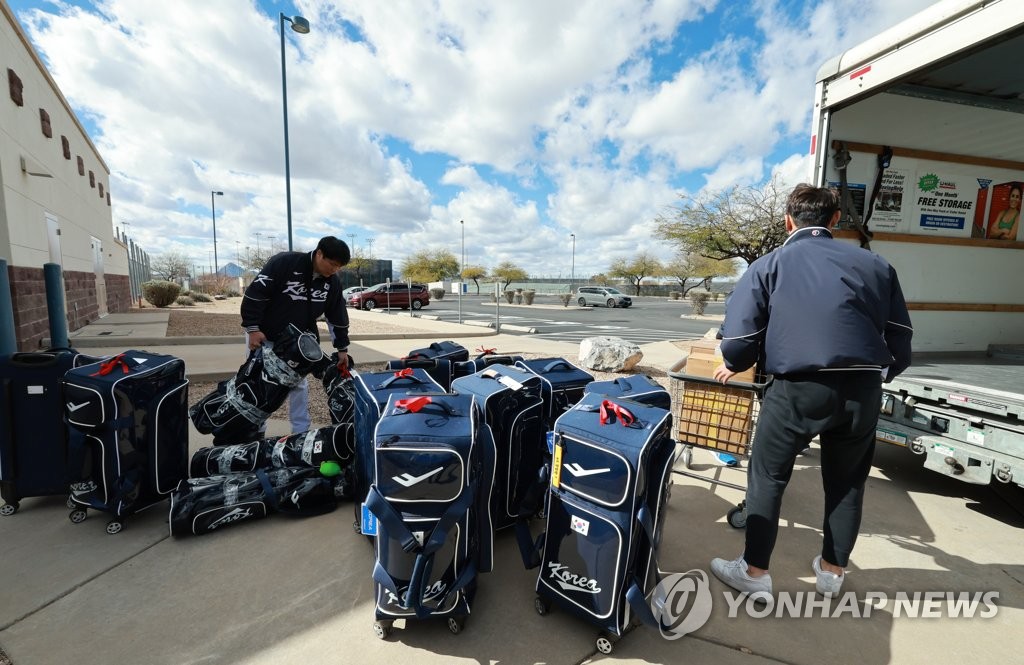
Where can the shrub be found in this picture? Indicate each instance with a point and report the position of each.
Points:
(566, 298)
(199, 297)
(185, 301)
(528, 295)
(436, 294)
(699, 300)
(674, 295)
(160, 293)
(509, 295)
(231, 293)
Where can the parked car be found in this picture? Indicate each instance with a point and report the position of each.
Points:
(602, 296)
(394, 295)
(351, 291)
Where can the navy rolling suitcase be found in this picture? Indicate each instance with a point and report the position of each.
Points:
(448, 350)
(610, 482)
(432, 464)
(487, 358)
(639, 388)
(439, 368)
(33, 435)
(371, 392)
(131, 411)
(513, 410)
(563, 383)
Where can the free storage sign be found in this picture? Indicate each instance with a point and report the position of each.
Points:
(945, 203)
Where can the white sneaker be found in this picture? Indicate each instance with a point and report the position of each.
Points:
(828, 584)
(734, 573)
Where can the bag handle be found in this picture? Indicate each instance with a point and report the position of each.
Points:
(555, 364)
(108, 366)
(610, 411)
(400, 375)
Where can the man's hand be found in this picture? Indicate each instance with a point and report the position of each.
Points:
(255, 339)
(723, 373)
(343, 363)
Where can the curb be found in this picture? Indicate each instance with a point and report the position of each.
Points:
(140, 342)
(525, 329)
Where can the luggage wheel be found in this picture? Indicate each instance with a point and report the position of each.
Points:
(737, 517)
(542, 606)
(382, 629)
(70, 503)
(114, 526)
(455, 624)
(606, 643)
(9, 509)
(78, 515)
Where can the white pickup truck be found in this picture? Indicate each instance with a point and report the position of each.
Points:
(922, 129)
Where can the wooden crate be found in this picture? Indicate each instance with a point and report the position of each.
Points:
(718, 417)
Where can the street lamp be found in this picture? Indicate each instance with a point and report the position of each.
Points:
(462, 266)
(572, 273)
(213, 214)
(258, 234)
(301, 26)
(271, 238)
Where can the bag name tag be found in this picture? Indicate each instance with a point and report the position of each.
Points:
(556, 467)
(368, 523)
(35, 390)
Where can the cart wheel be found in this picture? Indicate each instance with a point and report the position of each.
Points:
(77, 515)
(114, 527)
(355, 527)
(737, 517)
(604, 644)
(9, 509)
(455, 624)
(382, 629)
(542, 606)
(70, 503)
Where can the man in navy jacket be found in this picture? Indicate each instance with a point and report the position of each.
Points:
(832, 323)
(299, 287)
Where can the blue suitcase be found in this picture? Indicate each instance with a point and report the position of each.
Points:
(371, 392)
(432, 473)
(563, 383)
(132, 413)
(33, 436)
(512, 409)
(439, 368)
(448, 350)
(486, 358)
(610, 482)
(639, 388)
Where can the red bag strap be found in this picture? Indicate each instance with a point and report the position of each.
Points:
(108, 366)
(412, 404)
(610, 411)
(402, 373)
(485, 351)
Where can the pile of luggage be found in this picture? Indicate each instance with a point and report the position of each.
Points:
(437, 452)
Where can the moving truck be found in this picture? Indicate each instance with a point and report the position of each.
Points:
(922, 130)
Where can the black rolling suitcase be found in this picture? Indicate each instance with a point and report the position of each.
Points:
(610, 483)
(486, 358)
(448, 350)
(131, 412)
(513, 410)
(432, 470)
(439, 368)
(33, 435)
(639, 388)
(563, 383)
(372, 390)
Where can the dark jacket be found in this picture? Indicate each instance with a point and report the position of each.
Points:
(277, 297)
(817, 304)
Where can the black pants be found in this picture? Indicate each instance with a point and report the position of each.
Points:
(841, 407)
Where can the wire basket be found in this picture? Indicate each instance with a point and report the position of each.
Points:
(714, 416)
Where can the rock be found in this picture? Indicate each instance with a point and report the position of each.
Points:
(609, 354)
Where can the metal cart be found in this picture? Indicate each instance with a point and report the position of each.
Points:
(716, 417)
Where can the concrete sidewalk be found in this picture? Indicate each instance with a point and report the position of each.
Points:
(287, 591)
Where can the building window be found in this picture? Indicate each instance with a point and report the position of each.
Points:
(101, 189)
(81, 165)
(44, 122)
(15, 85)
(65, 146)
(92, 179)
(108, 199)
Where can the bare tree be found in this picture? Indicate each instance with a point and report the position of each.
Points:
(171, 266)
(736, 223)
(643, 265)
(691, 270)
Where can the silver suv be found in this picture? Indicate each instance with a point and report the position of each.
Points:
(602, 296)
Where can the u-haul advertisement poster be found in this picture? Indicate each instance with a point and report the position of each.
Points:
(944, 204)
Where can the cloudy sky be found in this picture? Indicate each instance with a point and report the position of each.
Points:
(528, 119)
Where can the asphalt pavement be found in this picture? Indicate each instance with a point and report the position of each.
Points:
(287, 591)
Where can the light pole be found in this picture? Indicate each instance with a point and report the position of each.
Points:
(572, 269)
(301, 26)
(213, 214)
(258, 234)
(271, 239)
(462, 266)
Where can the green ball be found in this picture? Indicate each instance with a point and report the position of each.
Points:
(330, 468)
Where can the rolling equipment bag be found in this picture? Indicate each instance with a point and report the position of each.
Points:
(33, 435)
(438, 368)
(339, 391)
(448, 350)
(610, 482)
(513, 410)
(428, 503)
(131, 412)
(372, 390)
(563, 384)
(333, 443)
(639, 388)
(486, 358)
